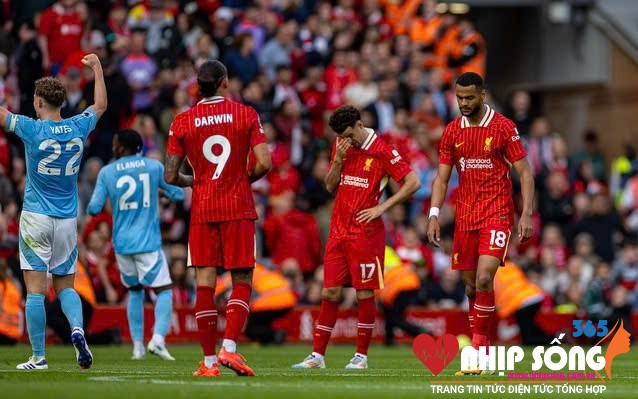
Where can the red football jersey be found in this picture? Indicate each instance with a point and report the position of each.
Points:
(63, 30)
(364, 174)
(483, 156)
(216, 136)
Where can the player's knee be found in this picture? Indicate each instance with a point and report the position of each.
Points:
(484, 282)
(331, 294)
(242, 275)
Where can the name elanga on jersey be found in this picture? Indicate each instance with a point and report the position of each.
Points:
(212, 120)
(130, 165)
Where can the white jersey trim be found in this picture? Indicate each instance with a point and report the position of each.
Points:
(485, 122)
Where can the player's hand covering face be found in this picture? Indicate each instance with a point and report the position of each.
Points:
(342, 147)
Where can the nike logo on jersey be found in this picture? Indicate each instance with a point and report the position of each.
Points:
(457, 145)
(366, 281)
(492, 248)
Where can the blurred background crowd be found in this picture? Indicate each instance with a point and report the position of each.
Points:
(295, 61)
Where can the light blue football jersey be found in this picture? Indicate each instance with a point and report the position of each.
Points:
(53, 154)
(131, 183)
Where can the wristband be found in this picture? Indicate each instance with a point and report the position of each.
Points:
(434, 211)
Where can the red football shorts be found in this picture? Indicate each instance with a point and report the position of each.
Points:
(358, 262)
(469, 245)
(225, 244)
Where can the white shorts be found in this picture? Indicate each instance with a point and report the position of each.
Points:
(148, 269)
(48, 244)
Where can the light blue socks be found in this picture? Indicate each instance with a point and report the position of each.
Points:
(36, 322)
(72, 308)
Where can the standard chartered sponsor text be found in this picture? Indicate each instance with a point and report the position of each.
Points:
(355, 181)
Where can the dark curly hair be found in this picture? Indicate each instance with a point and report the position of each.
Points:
(343, 118)
(130, 139)
(51, 90)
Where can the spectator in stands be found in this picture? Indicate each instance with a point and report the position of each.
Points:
(383, 109)
(60, 33)
(539, 148)
(401, 289)
(516, 295)
(555, 204)
(272, 299)
(276, 51)
(604, 300)
(364, 91)
(520, 111)
(73, 104)
(448, 293)
(287, 225)
(29, 61)
(604, 225)
(591, 152)
(623, 168)
(10, 306)
(241, 60)
(629, 203)
(139, 70)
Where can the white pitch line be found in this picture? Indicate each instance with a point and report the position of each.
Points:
(250, 384)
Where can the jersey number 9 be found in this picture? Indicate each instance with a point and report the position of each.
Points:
(219, 160)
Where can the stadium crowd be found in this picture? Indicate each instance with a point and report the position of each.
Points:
(295, 61)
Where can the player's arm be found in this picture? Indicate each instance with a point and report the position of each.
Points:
(96, 204)
(263, 162)
(525, 227)
(333, 178)
(440, 183)
(4, 117)
(172, 174)
(439, 190)
(99, 96)
(411, 184)
(173, 193)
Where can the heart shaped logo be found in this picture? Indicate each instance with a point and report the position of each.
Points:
(435, 355)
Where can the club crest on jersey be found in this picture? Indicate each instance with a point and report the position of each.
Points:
(488, 144)
(368, 164)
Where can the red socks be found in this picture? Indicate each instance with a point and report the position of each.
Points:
(325, 323)
(470, 313)
(367, 310)
(237, 310)
(483, 313)
(206, 316)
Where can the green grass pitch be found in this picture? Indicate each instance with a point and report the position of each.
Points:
(393, 373)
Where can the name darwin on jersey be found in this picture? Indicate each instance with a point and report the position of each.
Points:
(212, 120)
(130, 165)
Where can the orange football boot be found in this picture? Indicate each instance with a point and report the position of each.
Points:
(204, 371)
(235, 362)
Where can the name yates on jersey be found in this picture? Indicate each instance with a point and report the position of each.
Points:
(60, 129)
(212, 120)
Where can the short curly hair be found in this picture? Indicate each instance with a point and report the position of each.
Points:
(344, 117)
(51, 90)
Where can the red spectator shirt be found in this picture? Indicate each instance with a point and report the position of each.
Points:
(216, 136)
(364, 173)
(483, 156)
(63, 30)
